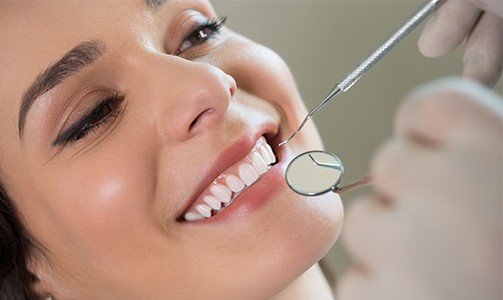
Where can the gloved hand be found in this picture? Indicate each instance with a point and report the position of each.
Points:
(481, 21)
(434, 228)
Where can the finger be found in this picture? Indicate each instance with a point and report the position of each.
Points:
(483, 57)
(448, 28)
(367, 231)
(412, 175)
(354, 285)
(401, 167)
(492, 6)
(451, 112)
(389, 283)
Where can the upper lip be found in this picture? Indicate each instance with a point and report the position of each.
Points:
(230, 155)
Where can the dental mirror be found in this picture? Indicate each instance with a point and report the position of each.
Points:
(317, 172)
(314, 173)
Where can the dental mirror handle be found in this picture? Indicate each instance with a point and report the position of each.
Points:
(357, 73)
(355, 185)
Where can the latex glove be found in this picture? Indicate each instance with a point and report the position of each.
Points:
(479, 20)
(434, 229)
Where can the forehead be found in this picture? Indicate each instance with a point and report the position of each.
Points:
(34, 34)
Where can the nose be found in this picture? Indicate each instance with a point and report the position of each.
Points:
(191, 97)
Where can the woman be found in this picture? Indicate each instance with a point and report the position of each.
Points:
(115, 128)
(135, 161)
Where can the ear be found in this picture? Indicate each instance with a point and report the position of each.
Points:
(40, 268)
(51, 282)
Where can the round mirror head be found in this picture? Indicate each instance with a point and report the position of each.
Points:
(314, 173)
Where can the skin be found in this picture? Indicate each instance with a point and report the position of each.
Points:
(432, 229)
(104, 209)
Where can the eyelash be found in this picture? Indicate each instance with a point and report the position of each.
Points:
(201, 33)
(92, 121)
(88, 124)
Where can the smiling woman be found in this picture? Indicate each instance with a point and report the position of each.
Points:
(139, 158)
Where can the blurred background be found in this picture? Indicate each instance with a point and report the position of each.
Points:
(321, 41)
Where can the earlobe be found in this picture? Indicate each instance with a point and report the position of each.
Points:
(35, 267)
(44, 284)
(50, 282)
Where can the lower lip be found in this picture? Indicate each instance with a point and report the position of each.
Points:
(256, 196)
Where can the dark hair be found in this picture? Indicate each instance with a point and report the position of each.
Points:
(15, 244)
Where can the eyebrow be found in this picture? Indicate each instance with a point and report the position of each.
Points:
(70, 63)
(154, 5)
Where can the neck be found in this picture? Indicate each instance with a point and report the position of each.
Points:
(310, 285)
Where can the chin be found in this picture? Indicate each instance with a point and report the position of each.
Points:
(266, 237)
(305, 236)
(302, 230)
(262, 254)
(296, 233)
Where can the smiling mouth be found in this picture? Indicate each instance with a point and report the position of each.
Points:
(232, 182)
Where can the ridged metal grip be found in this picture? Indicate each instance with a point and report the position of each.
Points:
(368, 63)
(395, 39)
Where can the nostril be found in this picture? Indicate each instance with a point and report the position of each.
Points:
(199, 118)
(193, 123)
(233, 86)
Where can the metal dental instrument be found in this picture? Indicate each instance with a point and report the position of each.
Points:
(318, 172)
(345, 84)
(337, 166)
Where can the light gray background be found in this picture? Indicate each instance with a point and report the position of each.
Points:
(321, 41)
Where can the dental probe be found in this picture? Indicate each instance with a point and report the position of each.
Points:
(345, 84)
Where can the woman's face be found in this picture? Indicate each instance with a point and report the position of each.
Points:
(118, 118)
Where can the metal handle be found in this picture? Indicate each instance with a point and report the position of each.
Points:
(389, 44)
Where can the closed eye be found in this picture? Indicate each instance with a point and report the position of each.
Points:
(104, 112)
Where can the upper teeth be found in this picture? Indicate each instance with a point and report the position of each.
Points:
(228, 185)
(234, 183)
(247, 173)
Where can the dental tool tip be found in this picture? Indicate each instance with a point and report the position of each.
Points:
(282, 143)
(296, 131)
(289, 139)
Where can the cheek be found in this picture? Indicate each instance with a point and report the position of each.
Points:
(261, 72)
(105, 199)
